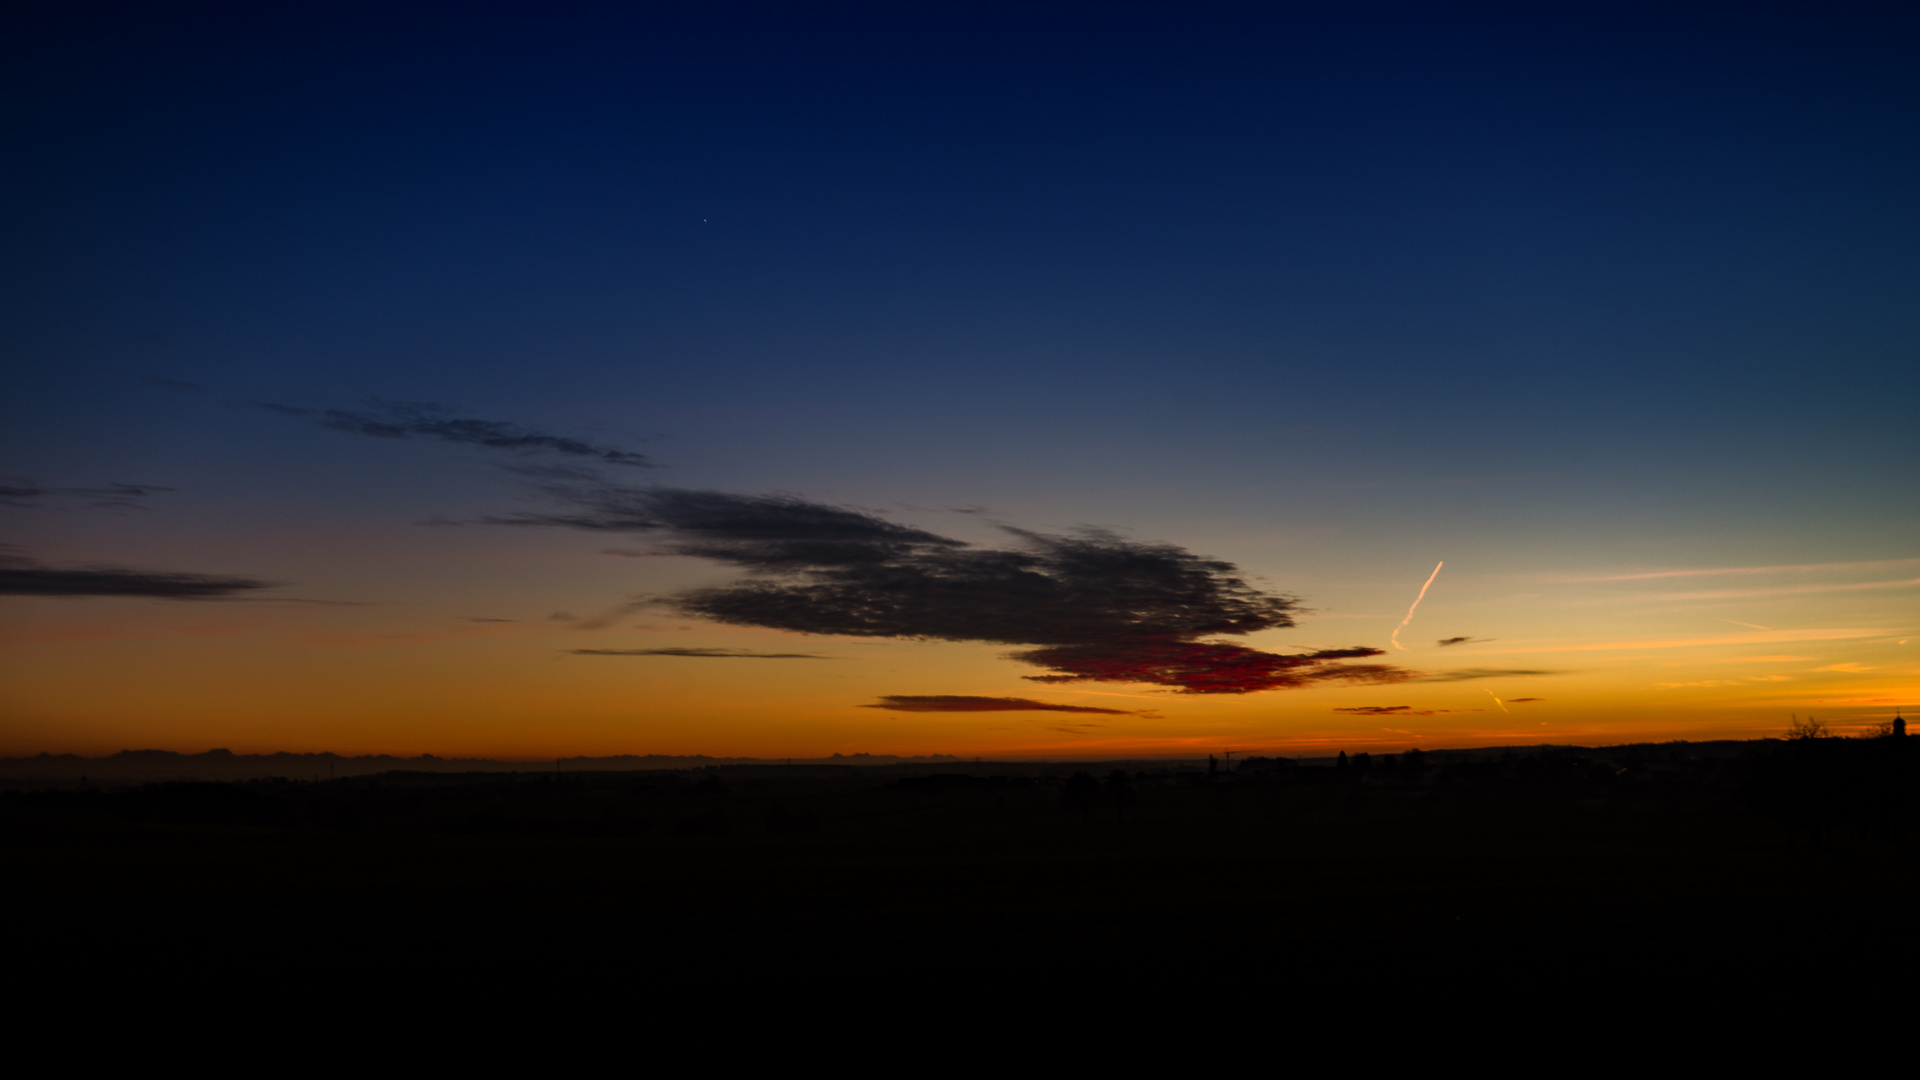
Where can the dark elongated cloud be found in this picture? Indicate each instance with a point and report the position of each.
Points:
(1096, 606)
(27, 493)
(1444, 642)
(966, 703)
(713, 654)
(25, 577)
(1391, 710)
(1200, 667)
(1472, 673)
(403, 420)
(1518, 700)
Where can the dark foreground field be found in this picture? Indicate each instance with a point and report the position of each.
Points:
(1768, 851)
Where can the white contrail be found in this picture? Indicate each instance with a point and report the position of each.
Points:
(1496, 700)
(1416, 603)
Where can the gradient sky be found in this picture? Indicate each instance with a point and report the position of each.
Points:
(1613, 313)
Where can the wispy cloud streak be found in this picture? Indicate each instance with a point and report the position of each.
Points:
(1786, 568)
(962, 703)
(25, 577)
(27, 494)
(1757, 637)
(403, 420)
(1788, 590)
(1473, 674)
(708, 654)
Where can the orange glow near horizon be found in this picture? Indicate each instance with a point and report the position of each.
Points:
(98, 676)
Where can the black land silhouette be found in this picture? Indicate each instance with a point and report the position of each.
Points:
(1649, 851)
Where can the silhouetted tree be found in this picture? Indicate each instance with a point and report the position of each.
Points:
(1081, 791)
(1806, 729)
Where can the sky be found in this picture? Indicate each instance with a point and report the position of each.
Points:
(1016, 380)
